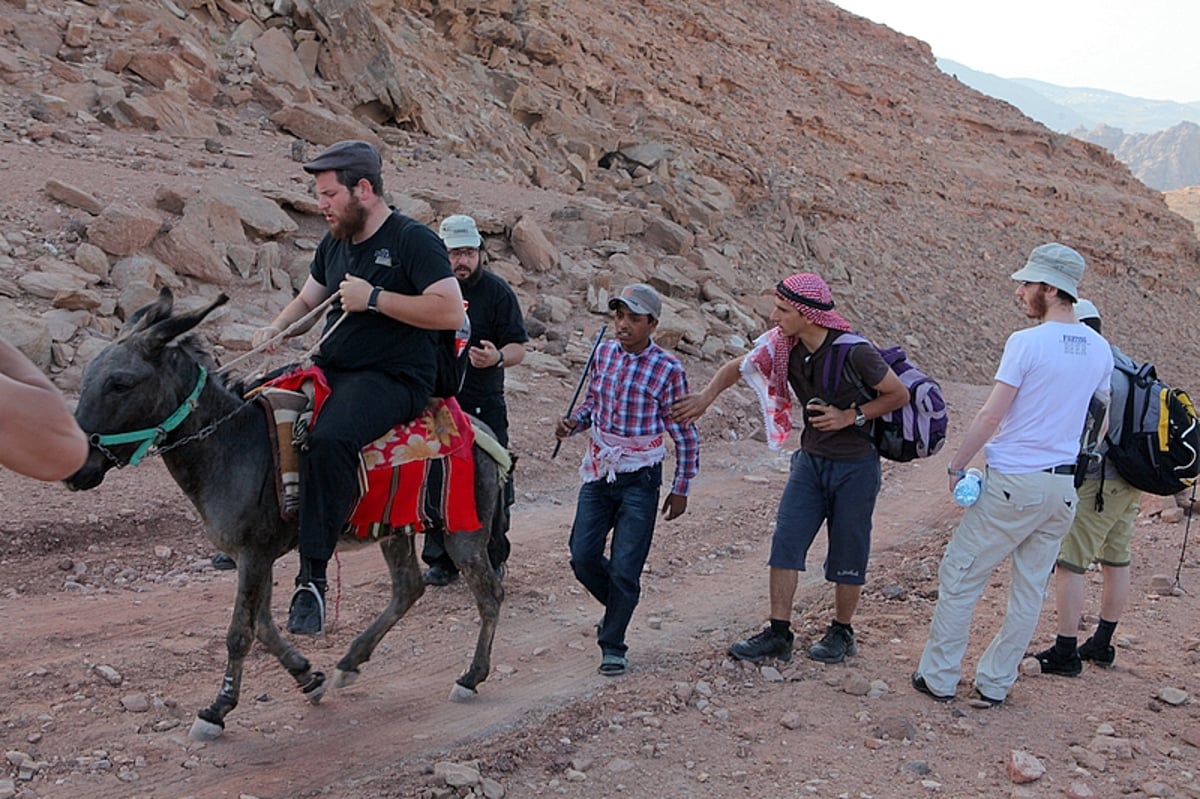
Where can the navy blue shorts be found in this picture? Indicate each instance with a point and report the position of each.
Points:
(821, 490)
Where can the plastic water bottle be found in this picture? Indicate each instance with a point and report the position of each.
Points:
(462, 336)
(966, 490)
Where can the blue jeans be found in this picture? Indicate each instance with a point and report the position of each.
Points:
(629, 508)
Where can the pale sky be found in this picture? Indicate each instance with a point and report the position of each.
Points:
(1147, 48)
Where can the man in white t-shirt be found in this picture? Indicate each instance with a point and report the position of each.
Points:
(1029, 429)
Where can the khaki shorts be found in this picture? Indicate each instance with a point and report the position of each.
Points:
(1103, 536)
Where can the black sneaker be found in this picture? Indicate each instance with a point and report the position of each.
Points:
(438, 574)
(1100, 655)
(767, 644)
(918, 682)
(307, 613)
(835, 646)
(987, 699)
(222, 562)
(1062, 665)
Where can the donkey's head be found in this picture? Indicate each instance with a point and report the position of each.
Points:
(138, 382)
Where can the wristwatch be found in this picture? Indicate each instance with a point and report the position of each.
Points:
(373, 300)
(955, 472)
(500, 360)
(860, 418)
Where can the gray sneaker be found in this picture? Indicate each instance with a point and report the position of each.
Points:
(766, 644)
(835, 646)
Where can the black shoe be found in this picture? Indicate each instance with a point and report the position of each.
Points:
(767, 644)
(307, 613)
(222, 562)
(439, 575)
(918, 682)
(835, 646)
(1101, 655)
(1062, 665)
(985, 698)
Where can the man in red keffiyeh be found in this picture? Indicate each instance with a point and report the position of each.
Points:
(835, 475)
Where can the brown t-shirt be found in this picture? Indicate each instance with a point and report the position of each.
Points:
(805, 371)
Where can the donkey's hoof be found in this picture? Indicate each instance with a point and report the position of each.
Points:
(314, 689)
(345, 678)
(460, 693)
(205, 730)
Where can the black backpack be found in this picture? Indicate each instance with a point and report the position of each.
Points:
(1159, 450)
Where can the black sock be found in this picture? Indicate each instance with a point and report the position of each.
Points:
(1065, 646)
(1104, 632)
(845, 627)
(781, 626)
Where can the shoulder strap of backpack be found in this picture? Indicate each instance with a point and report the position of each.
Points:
(1135, 376)
(837, 363)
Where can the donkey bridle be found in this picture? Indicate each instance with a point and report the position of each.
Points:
(150, 436)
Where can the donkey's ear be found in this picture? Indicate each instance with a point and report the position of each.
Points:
(147, 315)
(165, 330)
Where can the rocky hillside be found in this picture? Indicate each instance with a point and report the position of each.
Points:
(1186, 203)
(1168, 159)
(150, 144)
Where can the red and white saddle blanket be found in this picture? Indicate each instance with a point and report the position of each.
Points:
(418, 476)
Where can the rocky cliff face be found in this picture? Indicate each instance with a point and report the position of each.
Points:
(1166, 160)
(706, 151)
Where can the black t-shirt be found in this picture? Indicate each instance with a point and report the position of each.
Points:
(496, 316)
(805, 373)
(403, 256)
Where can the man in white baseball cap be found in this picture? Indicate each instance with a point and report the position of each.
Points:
(497, 342)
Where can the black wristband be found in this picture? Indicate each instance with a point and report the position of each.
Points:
(500, 360)
(373, 300)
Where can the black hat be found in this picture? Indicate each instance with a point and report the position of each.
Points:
(353, 155)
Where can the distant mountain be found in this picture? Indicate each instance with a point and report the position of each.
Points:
(1168, 159)
(1159, 140)
(1064, 108)
(1033, 104)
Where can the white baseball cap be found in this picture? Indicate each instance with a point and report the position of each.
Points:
(459, 231)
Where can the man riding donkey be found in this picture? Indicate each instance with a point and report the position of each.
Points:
(396, 291)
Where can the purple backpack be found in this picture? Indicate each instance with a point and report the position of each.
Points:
(914, 430)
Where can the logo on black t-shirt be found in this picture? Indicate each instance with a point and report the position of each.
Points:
(383, 257)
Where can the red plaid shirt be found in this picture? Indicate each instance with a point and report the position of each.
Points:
(631, 395)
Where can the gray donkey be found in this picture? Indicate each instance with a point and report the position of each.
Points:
(150, 392)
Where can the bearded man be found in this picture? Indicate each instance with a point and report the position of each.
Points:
(1028, 429)
(497, 343)
(378, 354)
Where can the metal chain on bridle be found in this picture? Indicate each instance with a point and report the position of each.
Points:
(149, 439)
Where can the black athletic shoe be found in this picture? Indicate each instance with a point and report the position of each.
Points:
(222, 562)
(1062, 665)
(1102, 656)
(985, 698)
(767, 644)
(918, 682)
(835, 646)
(439, 575)
(307, 613)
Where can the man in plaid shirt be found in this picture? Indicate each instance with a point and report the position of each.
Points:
(627, 410)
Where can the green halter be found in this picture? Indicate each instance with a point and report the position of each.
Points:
(153, 436)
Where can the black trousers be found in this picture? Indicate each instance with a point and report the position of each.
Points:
(360, 408)
(494, 413)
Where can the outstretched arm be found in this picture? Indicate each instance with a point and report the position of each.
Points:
(38, 434)
(311, 295)
(692, 406)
